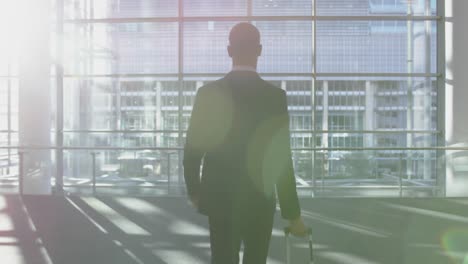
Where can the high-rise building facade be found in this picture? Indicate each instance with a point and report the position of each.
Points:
(360, 77)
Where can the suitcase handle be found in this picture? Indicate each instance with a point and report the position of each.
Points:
(287, 231)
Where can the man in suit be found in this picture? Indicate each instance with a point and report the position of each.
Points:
(239, 133)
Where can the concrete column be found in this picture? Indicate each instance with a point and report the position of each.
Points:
(34, 96)
(456, 96)
(325, 114)
(325, 161)
(369, 114)
(158, 116)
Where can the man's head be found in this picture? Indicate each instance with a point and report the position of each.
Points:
(244, 44)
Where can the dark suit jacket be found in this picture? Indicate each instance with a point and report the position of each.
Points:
(239, 133)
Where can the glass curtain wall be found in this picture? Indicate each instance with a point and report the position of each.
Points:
(360, 75)
(8, 97)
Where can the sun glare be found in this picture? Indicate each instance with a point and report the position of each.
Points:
(10, 27)
(17, 26)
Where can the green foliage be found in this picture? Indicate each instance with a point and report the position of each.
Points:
(358, 165)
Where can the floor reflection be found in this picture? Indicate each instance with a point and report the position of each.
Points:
(71, 229)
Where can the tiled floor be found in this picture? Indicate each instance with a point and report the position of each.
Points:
(47, 229)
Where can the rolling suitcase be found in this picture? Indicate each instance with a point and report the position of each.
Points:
(288, 246)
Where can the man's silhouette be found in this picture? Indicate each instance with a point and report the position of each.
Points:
(239, 133)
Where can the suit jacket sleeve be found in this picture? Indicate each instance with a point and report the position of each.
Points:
(286, 184)
(194, 150)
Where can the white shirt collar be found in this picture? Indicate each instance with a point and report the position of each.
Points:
(244, 68)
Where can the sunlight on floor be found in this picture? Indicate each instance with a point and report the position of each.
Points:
(344, 258)
(5, 223)
(139, 206)
(346, 225)
(126, 225)
(177, 256)
(2, 203)
(11, 254)
(425, 212)
(182, 227)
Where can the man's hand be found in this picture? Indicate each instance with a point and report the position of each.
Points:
(298, 228)
(194, 201)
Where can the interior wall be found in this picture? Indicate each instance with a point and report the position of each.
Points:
(34, 106)
(456, 96)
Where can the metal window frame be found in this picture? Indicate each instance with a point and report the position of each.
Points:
(182, 19)
(441, 66)
(180, 75)
(314, 91)
(59, 67)
(264, 74)
(180, 78)
(9, 113)
(378, 131)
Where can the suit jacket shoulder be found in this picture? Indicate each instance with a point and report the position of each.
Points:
(213, 85)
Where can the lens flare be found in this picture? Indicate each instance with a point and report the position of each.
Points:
(266, 156)
(219, 121)
(455, 244)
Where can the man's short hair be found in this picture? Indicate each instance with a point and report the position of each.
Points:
(244, 36)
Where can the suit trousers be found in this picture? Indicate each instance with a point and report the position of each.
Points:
(251, 228)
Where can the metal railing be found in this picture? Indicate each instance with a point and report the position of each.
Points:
(23, 150)
(149, 131)
(181, 148)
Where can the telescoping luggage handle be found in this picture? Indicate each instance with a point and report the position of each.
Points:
(287, 231)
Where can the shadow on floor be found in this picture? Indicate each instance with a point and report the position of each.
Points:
(53, 229)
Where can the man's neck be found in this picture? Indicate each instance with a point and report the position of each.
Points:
(237, 67)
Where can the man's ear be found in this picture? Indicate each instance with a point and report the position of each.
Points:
(230, 51)
(259, 50)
